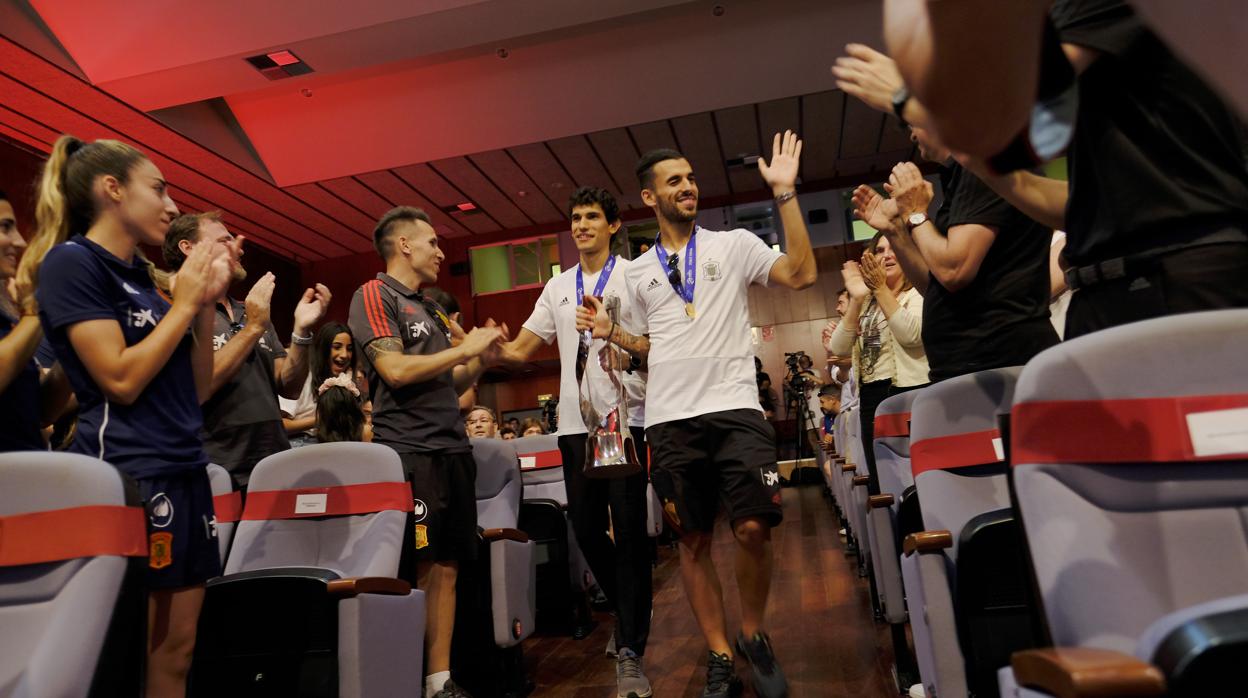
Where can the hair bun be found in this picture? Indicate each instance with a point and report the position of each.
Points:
(73, 145)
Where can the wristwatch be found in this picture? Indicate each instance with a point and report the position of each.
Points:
(900, 97)
(916, 219)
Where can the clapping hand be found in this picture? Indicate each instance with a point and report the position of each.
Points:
(873, 209)
(912, 193)
(852, 275)
(869, 76)
(781, 173)
(311, 308)
(873, 271)
(259, 300)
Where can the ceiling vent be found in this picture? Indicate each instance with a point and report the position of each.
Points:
(279, 65)
(465, 209)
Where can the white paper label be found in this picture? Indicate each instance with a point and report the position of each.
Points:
(310, 503)
(998, 447)
(528, 462)
(1219, 432)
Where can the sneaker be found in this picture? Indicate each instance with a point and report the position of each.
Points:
(769, 681)
(721, 678)
(450, 690)
(629, 681)
(611, 646)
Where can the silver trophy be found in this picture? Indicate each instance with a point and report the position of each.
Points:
(610, 451)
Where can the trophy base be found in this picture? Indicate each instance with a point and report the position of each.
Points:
(622, 460)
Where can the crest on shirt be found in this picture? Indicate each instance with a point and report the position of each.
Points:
(422, 536)
(142, 318)
(418, 329)
(710, 270)
(219, 341)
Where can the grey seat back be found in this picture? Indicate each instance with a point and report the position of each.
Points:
(541, 467)
(955, 444)
(498, 483)
(224, 498)
(892, 443)
(55, 614)
(1130, 459)
(356, 545)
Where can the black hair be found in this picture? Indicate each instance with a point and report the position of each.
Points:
(184, 227)
(589, 196)
(645, 166)
(339, 416)
(385, 226)
(319, 365)
(3, 196)
(842, 292)
(442, 298)
(830, 389)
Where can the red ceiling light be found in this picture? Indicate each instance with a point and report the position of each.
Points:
(465, 209)
(279, 64)
(466, 206)
(283, 57)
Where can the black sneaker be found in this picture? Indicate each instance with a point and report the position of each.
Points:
(721, 678)
(450, 690)
(769, 681)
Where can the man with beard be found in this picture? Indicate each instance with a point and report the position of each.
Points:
(242, 420)
(708, 439)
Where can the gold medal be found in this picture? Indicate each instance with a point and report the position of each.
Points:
(689, 309)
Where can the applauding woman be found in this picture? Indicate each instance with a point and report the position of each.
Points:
(138, 364)
(882, 326)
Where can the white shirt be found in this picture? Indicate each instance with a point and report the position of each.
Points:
(554, 319)
(702, 364)
(303, 407)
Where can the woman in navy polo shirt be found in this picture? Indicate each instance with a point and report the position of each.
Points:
(135, 364)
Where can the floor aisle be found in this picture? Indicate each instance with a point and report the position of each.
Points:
(819, 619)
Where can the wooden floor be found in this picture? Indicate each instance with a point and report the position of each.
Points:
(819, 620)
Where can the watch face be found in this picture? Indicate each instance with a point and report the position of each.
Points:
(917, 219)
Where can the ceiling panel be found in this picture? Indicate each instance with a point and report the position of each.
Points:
(696, 134)
(894, 135)
(388, 184)
(853, 167)
(778, 116)
(738, 137)
(540, 164)
(578, 158)
(481, 191)
(616, 150)
(32, 128)
(190, 203)
(352, 218)
(430, 184)
(861, 133)
(515, 184)
(821, 120)
(359, 196)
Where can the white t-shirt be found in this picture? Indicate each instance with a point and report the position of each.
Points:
(554, 319)
(702, 364)
(303, 407)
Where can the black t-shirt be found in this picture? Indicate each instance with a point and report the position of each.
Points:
(1157, 157)
(421, 417)
(19, 403)
(1002, 317)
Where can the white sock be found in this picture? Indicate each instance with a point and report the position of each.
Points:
(435, 682)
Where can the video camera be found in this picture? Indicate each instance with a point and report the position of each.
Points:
(550, 413)
(796, 380)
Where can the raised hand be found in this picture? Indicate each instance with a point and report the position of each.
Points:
(873, 209)
(872, 271)
(912, 193)
(590, 316)
(868, 75)
(259, 300)
(479, 340)
(494, 352)
(311, 308)
(781, 173)
(851, 273)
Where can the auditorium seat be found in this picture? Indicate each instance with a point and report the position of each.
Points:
(73, 554)
(311, 603)
(1130, 453)
(964, 575)
(227, 505)
(541, 468)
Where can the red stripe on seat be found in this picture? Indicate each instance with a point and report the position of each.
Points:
(954, 451)
(76, 532)
(1142, 430)
(342, 500)
(542, 460)
(892, 425)
(228, 507)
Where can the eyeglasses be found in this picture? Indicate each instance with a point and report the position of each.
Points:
(673, 271)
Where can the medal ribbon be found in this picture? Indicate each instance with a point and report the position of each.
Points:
(598, 287)
(690, 278)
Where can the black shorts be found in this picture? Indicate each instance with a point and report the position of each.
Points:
(727, 457)
(444, 486)
(181, 530)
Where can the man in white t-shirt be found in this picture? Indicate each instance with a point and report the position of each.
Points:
(706, 431)
(622, 567)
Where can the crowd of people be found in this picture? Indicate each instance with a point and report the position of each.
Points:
(160, 372)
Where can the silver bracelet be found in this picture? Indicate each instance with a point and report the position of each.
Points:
(300, 341)
(785, 196)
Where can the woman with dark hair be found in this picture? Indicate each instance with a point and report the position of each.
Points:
(339, 416)
(139, 364)
(333, 353)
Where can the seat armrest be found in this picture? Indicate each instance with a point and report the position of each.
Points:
(860, 480)
(1084, 672)
(879, 501)
(848, 467)
(493, 534)
(927, 542)
(354, 586)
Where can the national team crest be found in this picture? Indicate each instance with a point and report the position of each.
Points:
(710, 270)
(160, 550)
(422, 536)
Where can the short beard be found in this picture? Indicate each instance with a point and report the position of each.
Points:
(675, 214)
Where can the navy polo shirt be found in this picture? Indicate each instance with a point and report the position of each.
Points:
(19, 404)
(159, 433)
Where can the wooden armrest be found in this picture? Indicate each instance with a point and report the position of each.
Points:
(927, 542)
(1081, 672)
(354, 586)
(493, 534)
(879, 501)
(860, 480)
(848, 467)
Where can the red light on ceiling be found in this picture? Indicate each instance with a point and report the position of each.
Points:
(466, 206)
(283, 57)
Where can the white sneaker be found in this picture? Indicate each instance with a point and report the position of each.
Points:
(916, 691)
(611, 646)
